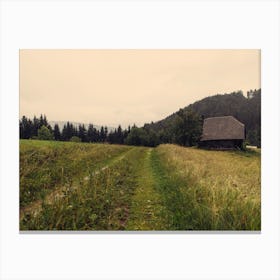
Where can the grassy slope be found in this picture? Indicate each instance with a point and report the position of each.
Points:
(166, 188)
(101, 203)
(210, 190)
(45, 165)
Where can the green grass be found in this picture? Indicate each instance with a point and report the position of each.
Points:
(100, 203)
(148, 211)
(209, 190)
(45, 165)
(77, 186)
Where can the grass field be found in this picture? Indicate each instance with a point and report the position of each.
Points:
(79, 186)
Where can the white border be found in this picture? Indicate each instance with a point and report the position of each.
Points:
(140, 24)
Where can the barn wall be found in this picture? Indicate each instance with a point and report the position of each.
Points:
(221, 144)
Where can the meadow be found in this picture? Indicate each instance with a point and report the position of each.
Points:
(85, 186)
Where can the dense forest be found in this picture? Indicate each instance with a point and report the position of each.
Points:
(39, 128)
(183, 127)
(245, 109)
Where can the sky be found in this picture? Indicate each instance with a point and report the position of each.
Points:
(112, 87)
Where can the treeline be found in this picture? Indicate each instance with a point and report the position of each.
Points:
(39, 128)
(186, 131)
(183, 127)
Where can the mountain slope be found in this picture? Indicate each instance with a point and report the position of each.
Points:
(246, 110)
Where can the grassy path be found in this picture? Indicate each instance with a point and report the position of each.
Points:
(168, 187)
(147, 210)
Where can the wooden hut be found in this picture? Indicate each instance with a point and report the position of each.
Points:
(222, 133)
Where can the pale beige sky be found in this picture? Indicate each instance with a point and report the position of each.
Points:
(111, 87)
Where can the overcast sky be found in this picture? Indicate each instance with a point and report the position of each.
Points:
(111, 87)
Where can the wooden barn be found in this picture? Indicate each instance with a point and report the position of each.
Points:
(222, 133)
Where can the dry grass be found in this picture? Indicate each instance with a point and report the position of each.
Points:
(221, 189)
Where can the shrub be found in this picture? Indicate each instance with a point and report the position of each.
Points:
(75, 139)
(44, 133)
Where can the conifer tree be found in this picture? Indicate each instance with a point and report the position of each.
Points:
(36, 126)
(82, 133)
(102, 134)
(90, 133)
(119, 135)
(26, 128)
(56, 132)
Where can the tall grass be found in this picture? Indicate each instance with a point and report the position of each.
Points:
(114, 187)
(100, 203)
(45, 165)
(210, 190)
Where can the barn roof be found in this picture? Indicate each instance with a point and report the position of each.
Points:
(222, 128)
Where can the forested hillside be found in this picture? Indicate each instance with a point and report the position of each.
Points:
(245, 109)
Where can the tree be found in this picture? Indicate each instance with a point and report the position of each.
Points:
(82, 133)
(125, 134)
(106, 132)
(91, 133)
(102, 134)
(153, 139)
(26, 128)
(43, 120)
(56, 132)
(44, 133)
(64, 135)
(68, 131)
(187, 128)
(112, 137)
(36, 126)
(137, 137)
(119, 135)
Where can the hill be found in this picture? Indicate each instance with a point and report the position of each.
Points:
(247, 110)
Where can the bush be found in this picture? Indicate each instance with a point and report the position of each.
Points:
(44, 133)
(75, 139)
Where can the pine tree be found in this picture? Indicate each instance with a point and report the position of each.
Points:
(106, 133)
(119, 135)
(36, 126)
(91, 133)
(102, 134)
(64, 133)
(41, 120)
(82, 134)
(26, 128)
(68, 131)
(45, 122)
(56, 132)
